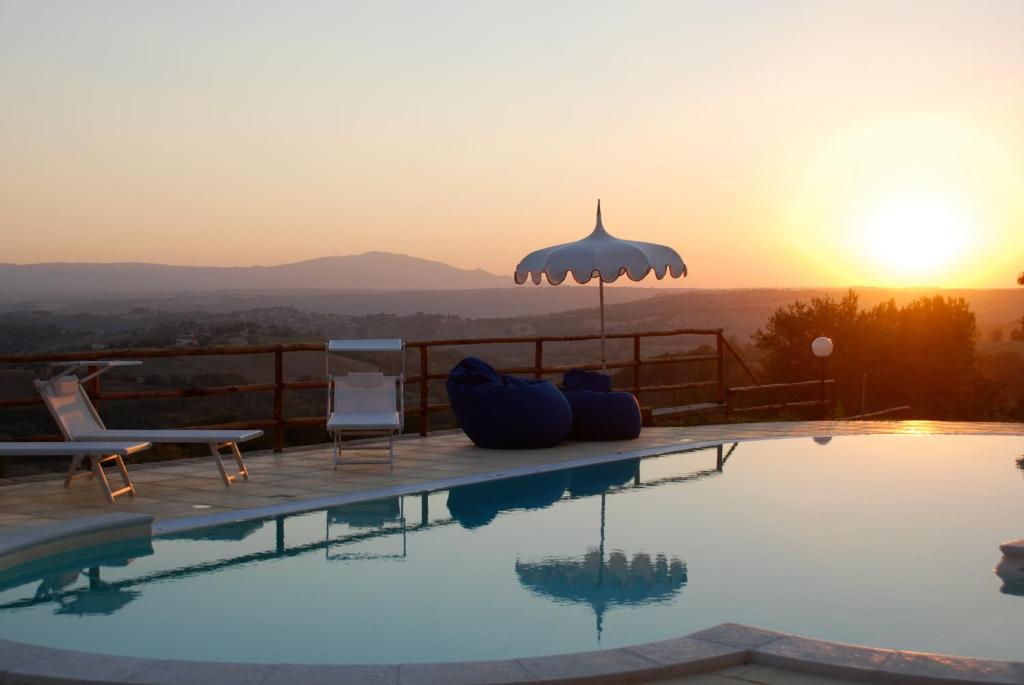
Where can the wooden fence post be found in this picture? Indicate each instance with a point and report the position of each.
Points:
(278, 401)
(93, 387)
(538, 358)
(720, 344)
(636, 365)
(424, 390)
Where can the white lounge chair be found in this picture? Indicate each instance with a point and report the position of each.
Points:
(365, 404)
(79, 422)
(97, 453)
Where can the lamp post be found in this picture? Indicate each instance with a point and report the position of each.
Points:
(822, 348)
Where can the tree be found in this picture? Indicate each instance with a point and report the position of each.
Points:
(785, 343)
(921, 354)
(1020, 281)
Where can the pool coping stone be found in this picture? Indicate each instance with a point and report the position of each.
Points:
(728, 644)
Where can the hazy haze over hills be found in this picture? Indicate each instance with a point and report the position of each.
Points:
(368, 271)
(401, 285)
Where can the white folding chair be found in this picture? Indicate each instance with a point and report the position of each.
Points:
(364, 404)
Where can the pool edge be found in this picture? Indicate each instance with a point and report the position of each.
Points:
(728, 644)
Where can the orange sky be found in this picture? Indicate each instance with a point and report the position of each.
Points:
(771, 143)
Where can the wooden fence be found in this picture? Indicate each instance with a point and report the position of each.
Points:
(722, 397)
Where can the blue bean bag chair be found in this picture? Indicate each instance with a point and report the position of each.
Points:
(507, 412)
(598, 412)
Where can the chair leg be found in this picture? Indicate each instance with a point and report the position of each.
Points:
(97, 468)
(124, 475)
(215, 451)
(242, 470)
(339, 448)
(76, 462)
(225, 476)
(101, 475)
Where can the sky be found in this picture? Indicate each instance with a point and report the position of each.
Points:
(771, 143)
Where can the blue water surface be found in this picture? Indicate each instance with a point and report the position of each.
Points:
(880, 540)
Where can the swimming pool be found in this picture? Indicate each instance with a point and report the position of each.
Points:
(881, 540)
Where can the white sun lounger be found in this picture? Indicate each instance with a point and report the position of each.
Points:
(97, 452)
(364, 404)
(79, 422)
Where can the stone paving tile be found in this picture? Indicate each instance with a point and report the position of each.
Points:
(171, 489)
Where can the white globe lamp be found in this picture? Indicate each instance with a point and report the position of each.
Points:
(822, 347)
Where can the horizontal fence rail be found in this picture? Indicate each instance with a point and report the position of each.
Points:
(277, 423)
(822, 402)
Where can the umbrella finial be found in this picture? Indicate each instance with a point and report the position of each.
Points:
(599, 227)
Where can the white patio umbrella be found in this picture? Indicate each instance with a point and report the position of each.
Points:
(602, 255)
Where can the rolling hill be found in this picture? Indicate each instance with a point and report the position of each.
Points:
(369, 271)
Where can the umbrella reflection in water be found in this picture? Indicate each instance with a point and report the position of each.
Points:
(1011, 571)
(598, 579)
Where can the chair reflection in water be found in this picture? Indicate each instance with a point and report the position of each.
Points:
(98, 597)
(377, 518)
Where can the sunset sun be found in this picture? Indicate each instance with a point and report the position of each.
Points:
(915, 235)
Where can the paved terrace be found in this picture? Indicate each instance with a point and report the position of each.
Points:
(302, 478)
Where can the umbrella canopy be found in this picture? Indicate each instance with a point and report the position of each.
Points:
(600, 255)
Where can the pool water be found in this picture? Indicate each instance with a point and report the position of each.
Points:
(880, 540)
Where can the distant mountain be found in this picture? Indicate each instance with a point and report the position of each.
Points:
(369, 271)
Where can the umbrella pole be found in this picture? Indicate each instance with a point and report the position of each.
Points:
(600, 290)
(600, 571)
